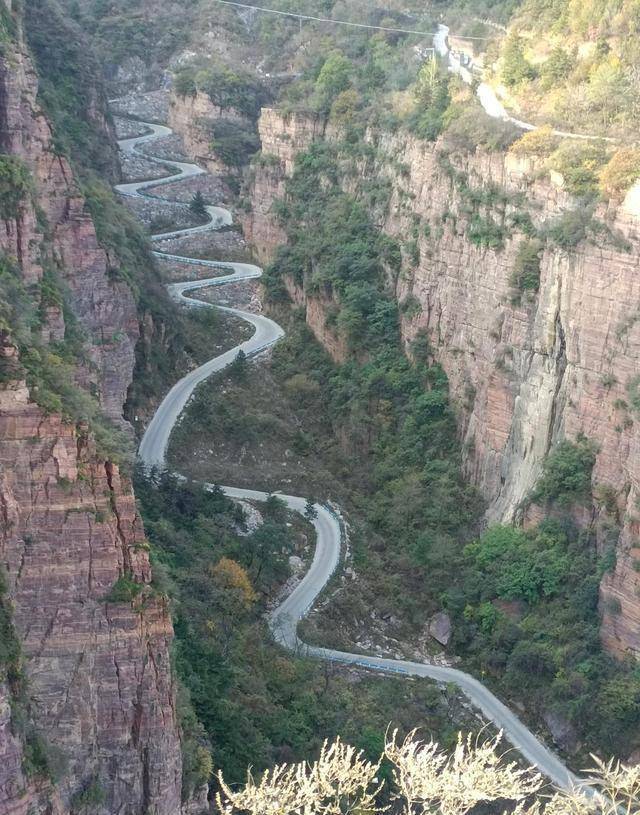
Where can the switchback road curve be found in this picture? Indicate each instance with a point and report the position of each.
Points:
(283, 621)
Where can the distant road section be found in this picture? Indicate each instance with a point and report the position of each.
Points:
(487, 96)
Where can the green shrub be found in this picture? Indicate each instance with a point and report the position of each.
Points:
(571, 227)
(633, 391)
(15, 186)
(410, 306)
(526, 268)
(468, 127)
(89, 798)
(124, 590)
(10, 649)
(566, 473)
(226, 87)
(485, 232)
(197, 766)
(579, 163)
(515, 67)
(233, 143)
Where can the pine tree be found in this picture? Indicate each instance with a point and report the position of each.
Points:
(197, 205)
(310, 511)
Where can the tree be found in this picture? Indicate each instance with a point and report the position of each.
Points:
(621, 172)
(310, 511)
(427, 82)
(238, 368)
(609, 90)
(333, 79)
(538, 142)
(229, 576)
(566, 473)
(557, 68)
(345, 106)
(515, 67)
(197, 205)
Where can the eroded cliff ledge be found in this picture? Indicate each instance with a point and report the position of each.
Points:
(94, 636)
(525, 370)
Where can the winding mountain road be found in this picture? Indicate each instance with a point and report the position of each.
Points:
(283, 621)
(487, 96)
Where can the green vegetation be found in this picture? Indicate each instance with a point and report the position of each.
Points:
(525, 276)
(124, 29)
(10, 650)
(394, 415)
(69, 86)
(39, 758)
(233, 143)
(88, 798)
(15, 186)
(124, 590)
(579, 163)
(197, 205)
(527, 617)
(485, 232)
(226, 88)
(566, 476)
(621, 172)
(575, 63)
(539, 142)
(256, 704)
(515, 67)
(50, 369)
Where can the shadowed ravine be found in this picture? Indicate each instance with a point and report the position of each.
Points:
(284, 620)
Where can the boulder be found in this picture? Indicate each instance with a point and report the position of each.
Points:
(440, 628)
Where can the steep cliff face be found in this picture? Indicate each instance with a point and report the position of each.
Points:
(194, 118)
(93, 633)
(525, 371)
(282, 138)
(103, 305)
(96, 650)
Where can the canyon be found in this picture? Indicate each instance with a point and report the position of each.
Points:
(524, 372)
(93, 689)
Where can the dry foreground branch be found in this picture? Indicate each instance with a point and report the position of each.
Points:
(425, 779)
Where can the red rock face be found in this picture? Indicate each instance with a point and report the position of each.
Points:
(104, 307)
(99, 671)
(522, 376)
(192, 117)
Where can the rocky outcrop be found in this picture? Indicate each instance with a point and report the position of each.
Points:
(282, 138)
(103, 305)
(524, 371)
(194, 118)
(94, 633)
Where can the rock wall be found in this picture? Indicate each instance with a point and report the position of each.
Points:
(98, 669)
(96, 661)
(193, 117)
(282, 137)
(104, 306)
(524, 372)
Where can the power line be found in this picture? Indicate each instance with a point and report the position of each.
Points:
(335, 22)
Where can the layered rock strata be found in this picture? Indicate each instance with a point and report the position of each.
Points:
(525, 370)
(98, 692)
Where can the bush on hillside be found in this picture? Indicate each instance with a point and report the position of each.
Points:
(621, 171)
(566, 473)
(538, 142)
